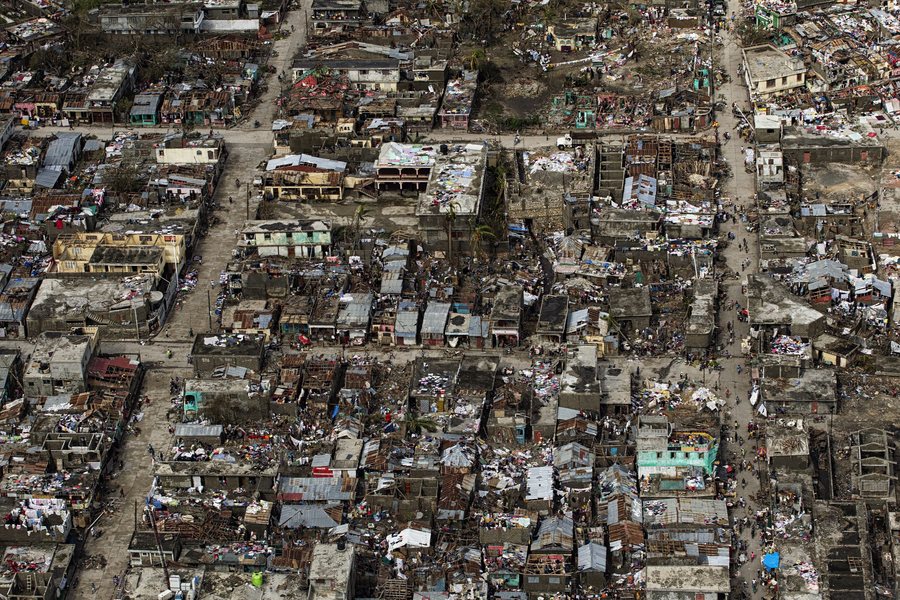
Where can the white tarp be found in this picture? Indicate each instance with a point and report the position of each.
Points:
(413, 538)
(223, 25)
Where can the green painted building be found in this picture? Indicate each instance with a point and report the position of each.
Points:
(669, 452)
(298, 238)
(770, 17)
(145, 110)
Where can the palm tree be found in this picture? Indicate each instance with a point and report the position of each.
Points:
(77, 26)
(500, 184)
(359, 215)
(475, 59)
(451, 217)
(417, 423)
(434, 9)
(549, 14)
(613, 324)
(339, 233)
(500, 180)
(480, 233)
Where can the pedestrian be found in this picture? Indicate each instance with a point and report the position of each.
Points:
(93, 588)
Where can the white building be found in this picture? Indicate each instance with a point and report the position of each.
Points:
(331, 572)
(178, 150)
(366, 66)
(58, 363)
(769, 71)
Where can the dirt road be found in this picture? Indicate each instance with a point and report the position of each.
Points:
(740, 188)
(246, 150)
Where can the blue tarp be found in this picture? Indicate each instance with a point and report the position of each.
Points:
(771, 561)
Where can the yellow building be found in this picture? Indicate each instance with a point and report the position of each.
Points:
(118, 253)
(300, 185)
(304, 177)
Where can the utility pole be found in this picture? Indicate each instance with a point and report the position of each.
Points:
(712, 62)
(137, 329)
(209, 310)
(248, 201)
(177, 266)
(162, 557)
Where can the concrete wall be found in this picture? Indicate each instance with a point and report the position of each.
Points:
(801, 154)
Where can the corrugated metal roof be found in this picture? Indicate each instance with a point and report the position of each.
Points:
(320, 460)
(555, 532)
(19, 207)
(48, 177)
(195, 430)
(458, 456)
(356, 312)
(6, 313)
(670, 511)
(306, 515)
(315, 488)
(391, 283)
(62, 151)
(476, 328)
(592, 556)
(539, 485)
(554, 525)
(146, 104)
(407, 322)
(435, 319)
(295, 160)
(813, 210)
(394, 254)
(625, 533)
(575, 453)
(612, 513)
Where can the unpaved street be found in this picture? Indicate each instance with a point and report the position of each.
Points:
(246, 149)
